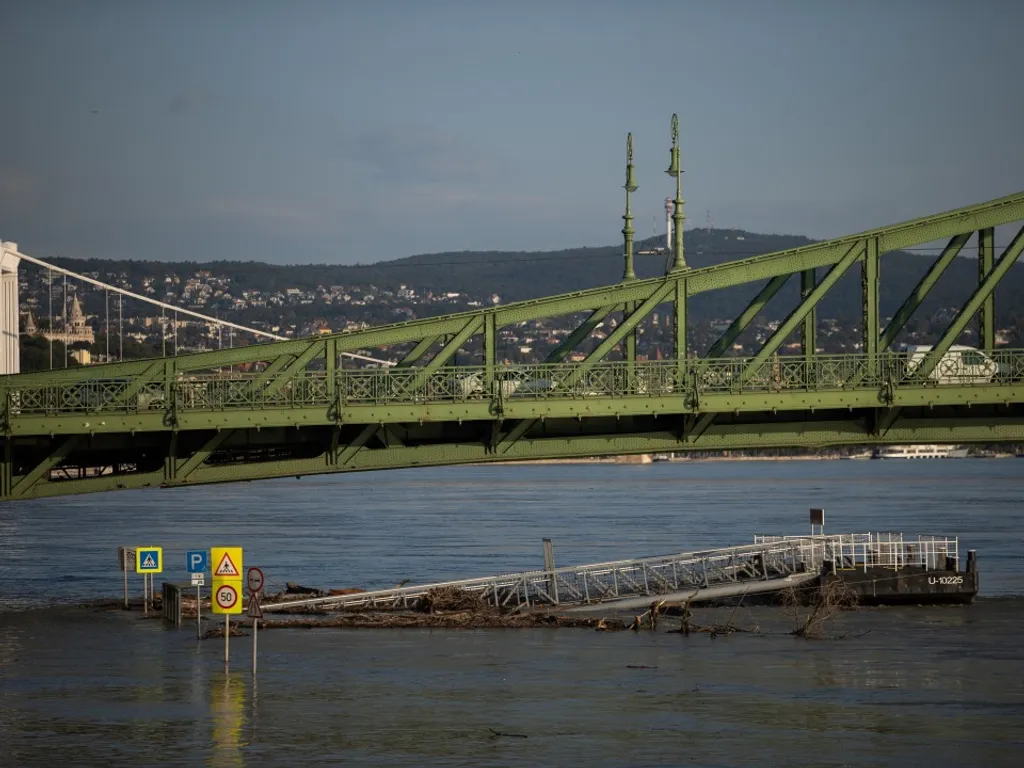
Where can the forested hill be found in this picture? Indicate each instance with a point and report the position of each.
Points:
(519, 275)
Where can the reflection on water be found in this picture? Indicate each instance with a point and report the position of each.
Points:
(227, 713)
(912, 688)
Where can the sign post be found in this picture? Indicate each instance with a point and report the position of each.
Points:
(226, 588)
(148, 560)
(254, 580)
(196, 562)
(126, 559)
(818, 519)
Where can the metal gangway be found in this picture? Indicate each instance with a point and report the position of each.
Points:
(622, 584)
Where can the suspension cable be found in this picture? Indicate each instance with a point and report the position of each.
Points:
(64, 330)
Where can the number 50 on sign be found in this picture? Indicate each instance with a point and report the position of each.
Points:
(227, 596)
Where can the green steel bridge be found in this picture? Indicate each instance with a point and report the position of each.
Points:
(289, 409)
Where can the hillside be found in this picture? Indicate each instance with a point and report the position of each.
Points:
(519, 275)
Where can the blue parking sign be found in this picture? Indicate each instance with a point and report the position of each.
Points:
(197, 561)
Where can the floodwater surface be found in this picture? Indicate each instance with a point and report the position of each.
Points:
(86, 685)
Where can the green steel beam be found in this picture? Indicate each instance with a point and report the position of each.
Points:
(7, 469)
(629, 344)
(181, 473)
(869, 285)
(921, 290)
(744, 318)
(616, 336)
(276, 365)
(22, 485)
(350, 450)
(573, 340)
(808, 336)
(449, 349)
(795, 318)
(815, 434)
(884, 419)
(490, 352)
(698, 427)
(418, 351)
(331, 366)
(314, 350)
(679, 327)
(513, 436)
(154, 371)
(974, 303)
(987, 316)
(917, 232)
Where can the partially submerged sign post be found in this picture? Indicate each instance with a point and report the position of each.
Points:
(148, 560)
(196, 561)
(226, 588)
(254, 580)
(126, 559)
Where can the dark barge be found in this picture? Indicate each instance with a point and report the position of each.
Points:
(889, 569)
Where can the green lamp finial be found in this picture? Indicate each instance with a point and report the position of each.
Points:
(630, 186)
(675, 169)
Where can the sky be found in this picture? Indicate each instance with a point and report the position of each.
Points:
(349, 131)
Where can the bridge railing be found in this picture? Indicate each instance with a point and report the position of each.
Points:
(616, 379)
(684, 572)
(879, 550)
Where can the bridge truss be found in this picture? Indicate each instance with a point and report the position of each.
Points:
(191, 419)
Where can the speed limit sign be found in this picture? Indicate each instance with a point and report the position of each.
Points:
(227, 596)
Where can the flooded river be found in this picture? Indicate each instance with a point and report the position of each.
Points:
(895, 687)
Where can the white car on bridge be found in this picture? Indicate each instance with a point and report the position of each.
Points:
(959, 365)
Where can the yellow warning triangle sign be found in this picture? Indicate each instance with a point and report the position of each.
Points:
(226, 567)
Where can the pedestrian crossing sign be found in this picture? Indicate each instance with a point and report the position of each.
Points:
(227, 562)
(149, 560)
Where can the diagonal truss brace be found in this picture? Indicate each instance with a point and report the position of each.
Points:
(970, 309)
(43, 468)
(314, 350)
(197, 459)
(746, 316)
(559, 353)
(474, 325)
(154, 372)
(796, 317)
(921, 291)
(418, 351)
(625, 327)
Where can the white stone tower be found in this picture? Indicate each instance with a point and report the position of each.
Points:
(10, 357)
